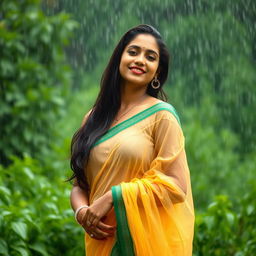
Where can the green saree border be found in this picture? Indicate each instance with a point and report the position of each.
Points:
(124, 243)
(137, 118)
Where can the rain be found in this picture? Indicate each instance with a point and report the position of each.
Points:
(53, 54)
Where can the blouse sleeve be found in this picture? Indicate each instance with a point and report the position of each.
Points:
(170, 158)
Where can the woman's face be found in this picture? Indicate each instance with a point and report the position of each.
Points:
(140, 60)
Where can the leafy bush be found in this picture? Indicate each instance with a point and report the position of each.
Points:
(222, 230)
(34, 76)
(35, 215)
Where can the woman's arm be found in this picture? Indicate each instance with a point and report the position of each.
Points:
(170, 153)
(99, 209)
(79, 197)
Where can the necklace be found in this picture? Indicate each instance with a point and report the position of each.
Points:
(117, 119)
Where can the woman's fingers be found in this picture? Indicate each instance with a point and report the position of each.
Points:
(88, 223)
(101, 231)
(104, 226)
(97, 233)
(85, 217)
(91, 218)
(95, 222)
(95, 227)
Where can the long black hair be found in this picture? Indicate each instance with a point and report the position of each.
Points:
(109, 101)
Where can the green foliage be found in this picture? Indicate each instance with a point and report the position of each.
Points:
(36, 218)
(223, 231)
(213, 51)
(76, 111)
(34, 76)
(212, 44)
(216, 166)
(217, 61)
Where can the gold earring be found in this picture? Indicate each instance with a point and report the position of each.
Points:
(155, 83)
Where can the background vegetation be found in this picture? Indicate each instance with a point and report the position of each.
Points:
(50, 68)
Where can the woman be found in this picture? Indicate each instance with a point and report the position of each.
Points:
(132, 191)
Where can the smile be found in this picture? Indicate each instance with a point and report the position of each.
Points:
(137, 70)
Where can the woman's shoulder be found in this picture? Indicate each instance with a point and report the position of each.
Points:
(166, 110)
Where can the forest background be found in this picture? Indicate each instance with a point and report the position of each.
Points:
(52, 55)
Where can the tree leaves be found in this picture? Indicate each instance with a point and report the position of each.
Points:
(34, 219)
(33, 74)
(20, 229)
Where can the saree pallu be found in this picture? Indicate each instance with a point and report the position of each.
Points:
(143, 161)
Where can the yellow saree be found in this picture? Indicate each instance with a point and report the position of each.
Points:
(143, 161)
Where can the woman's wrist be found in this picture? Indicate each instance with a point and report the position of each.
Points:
(80, 216)
(109, 197)
(78, 210)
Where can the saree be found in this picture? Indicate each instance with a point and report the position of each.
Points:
(143, 161)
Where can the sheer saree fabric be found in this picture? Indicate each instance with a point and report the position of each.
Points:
(143, 161)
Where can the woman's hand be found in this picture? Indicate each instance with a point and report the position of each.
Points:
(92, 217)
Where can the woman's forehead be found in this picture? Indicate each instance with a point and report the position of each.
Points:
(145, 42)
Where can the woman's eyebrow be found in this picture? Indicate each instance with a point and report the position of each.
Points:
(138, 48)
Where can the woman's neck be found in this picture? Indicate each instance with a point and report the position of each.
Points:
(132, 96)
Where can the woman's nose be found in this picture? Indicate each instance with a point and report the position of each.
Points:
(140, 60)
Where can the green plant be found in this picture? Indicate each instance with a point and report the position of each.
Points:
(215, 164)
(36, 218)
(227, 230)
(34, 76)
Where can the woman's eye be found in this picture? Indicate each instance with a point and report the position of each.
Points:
(151, 58)
(132, 53)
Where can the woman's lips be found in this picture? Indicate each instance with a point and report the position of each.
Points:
(137, 71)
